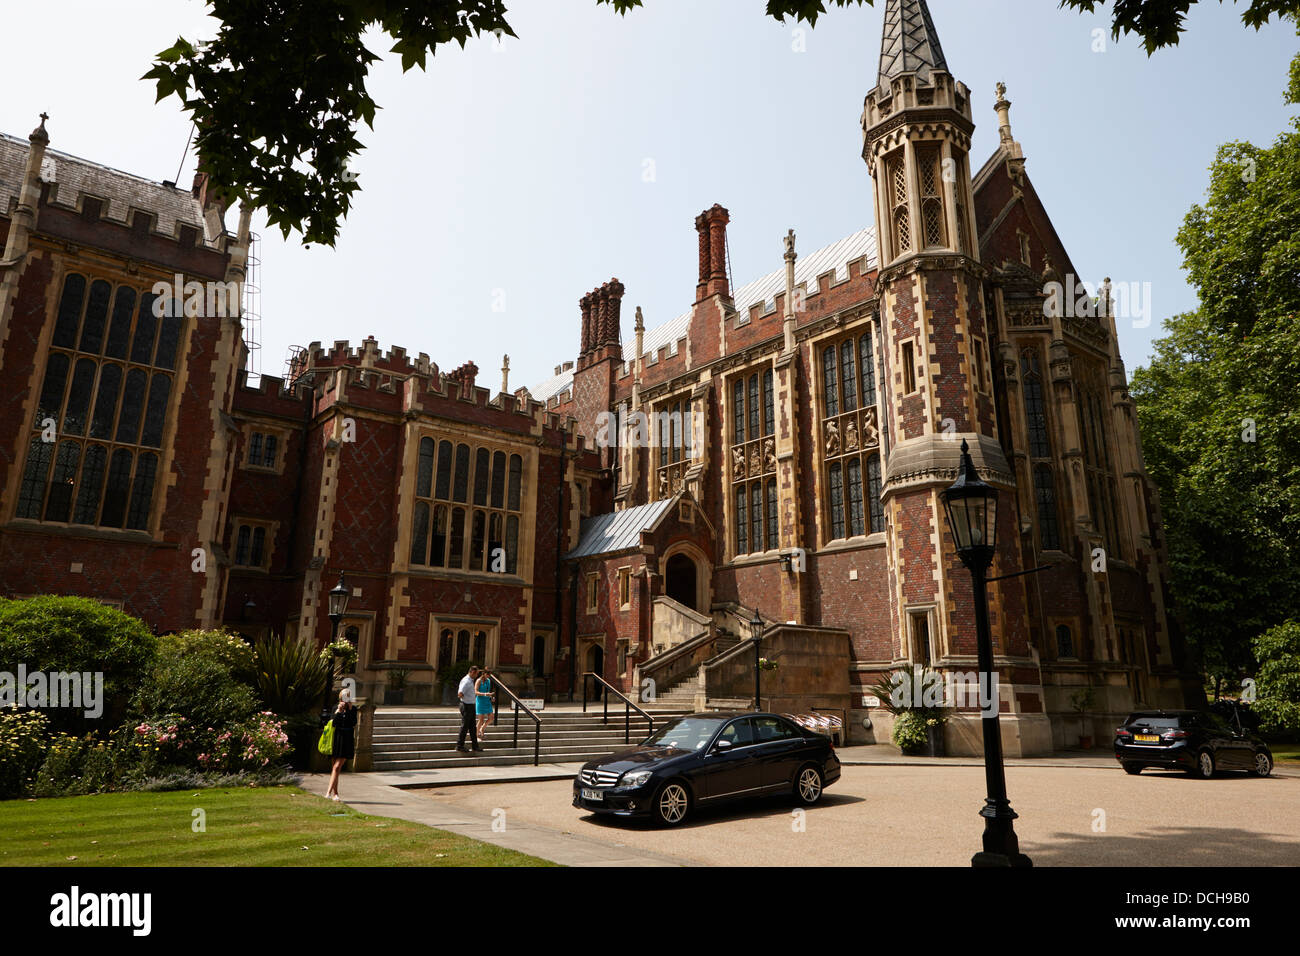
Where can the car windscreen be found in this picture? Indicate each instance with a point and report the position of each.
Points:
(1155, 723)
(686, 733)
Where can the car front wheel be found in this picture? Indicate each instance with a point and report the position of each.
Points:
(1133, 768)
(808, 785)
(1204, 765)
(672, 804)
(1263, 764)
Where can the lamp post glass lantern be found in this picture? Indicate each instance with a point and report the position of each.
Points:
(756, 628)
(338, 606)
(971, 505)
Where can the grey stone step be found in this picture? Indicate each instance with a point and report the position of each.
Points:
(485, 760)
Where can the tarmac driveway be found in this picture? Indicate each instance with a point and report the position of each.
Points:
(928, 816)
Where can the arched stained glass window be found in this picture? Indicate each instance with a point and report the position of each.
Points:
(424, 469)
(830, 388)
(1049, 536)
(442, 488)
(69, 318)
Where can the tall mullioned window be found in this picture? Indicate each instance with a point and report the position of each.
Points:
(1100, 475)
(675, 435)
(900, 222)
(468, 505)
(104, 401)
(933, 219)
(850, 437)
(753, 463)
(1040, 451)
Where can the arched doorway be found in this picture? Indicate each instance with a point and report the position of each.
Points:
(680, 581)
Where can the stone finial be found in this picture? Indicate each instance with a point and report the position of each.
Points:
(640, 321)
(39, 135)
(1001, 89)
(505, 374)
(789, 245)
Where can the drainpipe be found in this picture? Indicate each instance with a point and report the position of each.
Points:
(559, 558)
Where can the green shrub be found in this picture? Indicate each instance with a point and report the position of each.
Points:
(226, 648)
(78, 635)
(75, 766)
(910, 734)
(1277, 682)
(198, 687)
(24, 739)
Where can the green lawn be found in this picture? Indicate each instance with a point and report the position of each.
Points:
(278, 826)
(1285, 753)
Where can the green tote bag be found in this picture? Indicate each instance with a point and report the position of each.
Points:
(326, 743)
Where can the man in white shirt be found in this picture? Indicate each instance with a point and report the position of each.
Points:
(466, 693)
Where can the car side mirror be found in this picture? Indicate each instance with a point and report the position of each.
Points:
(722, 745)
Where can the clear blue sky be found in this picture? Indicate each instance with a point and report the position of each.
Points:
(522, 169)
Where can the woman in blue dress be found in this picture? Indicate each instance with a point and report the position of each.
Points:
(483, 701)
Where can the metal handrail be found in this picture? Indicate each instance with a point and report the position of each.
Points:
(627, 708)
(518, 706)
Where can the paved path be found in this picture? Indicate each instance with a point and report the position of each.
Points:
(903, 814)
(364, 793)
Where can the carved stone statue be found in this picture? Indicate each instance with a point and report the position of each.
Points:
(832, 438)
(737, 463)
(755, 462)
(871, 428)
(851, 436)
(789, 243)
(769, 455)
(663, 485)
(1002, 92)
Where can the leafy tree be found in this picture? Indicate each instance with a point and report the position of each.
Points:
(278, 94)
(74, 634)
(1217, 405)
(1278, 683)
(1159, 22)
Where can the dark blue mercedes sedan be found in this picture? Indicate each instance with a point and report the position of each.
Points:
(707, 759)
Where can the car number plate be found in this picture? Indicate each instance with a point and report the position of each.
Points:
(1147, 738)
(593, 795)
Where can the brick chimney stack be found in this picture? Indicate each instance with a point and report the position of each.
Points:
(585, 304)
(465, 375)
(611, 332)
(712, 228)
(600, 319)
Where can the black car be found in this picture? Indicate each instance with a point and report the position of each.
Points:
(708, 759)
(1196, 741)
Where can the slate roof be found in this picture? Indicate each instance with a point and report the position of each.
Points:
(552, 386)
(71, 176)
(618, 530)
(909, 43)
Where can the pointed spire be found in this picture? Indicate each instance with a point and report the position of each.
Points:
(909, 43)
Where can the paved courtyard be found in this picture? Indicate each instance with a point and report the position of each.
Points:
(927, 816)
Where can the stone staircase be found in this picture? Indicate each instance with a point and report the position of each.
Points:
(426, 739)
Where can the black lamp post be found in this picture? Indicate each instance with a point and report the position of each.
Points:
(338, 605)
(972, 507)
(756, 628)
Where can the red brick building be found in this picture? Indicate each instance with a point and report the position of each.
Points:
(779, 447)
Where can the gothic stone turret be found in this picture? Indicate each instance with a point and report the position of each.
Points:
(917, 129)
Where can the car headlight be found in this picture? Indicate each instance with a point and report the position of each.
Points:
(634, 778)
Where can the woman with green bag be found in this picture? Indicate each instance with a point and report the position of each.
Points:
(342, 729)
